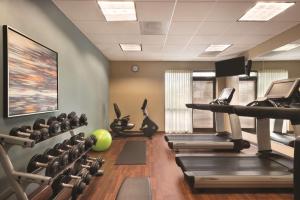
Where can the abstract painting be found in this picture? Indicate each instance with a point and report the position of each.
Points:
(31, 71)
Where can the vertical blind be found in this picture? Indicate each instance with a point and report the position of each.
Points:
(265, 78)
(178, 92)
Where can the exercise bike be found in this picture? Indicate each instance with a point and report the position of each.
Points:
(121, 125)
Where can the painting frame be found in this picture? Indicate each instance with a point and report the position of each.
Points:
(6, 74)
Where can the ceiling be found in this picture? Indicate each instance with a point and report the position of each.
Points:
(293, 54)
(183, 29)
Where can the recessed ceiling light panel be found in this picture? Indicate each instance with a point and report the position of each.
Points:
(131, 47)
(287, 47)
(217, 47)
(118, 10)
(264, 11)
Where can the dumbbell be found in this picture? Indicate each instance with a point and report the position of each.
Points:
(64, 122)
(74, 119)
(35, 135)
(62, 182)
(81, 146)
(40, 161)
(63, 157)
(90, 159)
(53, 127)
(72, 150)
(89, 141)
(94, 167)
(84, 175)
(83, 120)
(44, 131)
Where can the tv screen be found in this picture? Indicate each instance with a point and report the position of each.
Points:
(231, 67)
(280, 89)
(30, 75)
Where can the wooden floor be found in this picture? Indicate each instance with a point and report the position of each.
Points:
(166, 178)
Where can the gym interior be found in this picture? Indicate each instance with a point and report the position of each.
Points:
(150, 99)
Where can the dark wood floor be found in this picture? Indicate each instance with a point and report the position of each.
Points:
(166, 178)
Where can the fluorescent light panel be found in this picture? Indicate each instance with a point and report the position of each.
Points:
(131, 47)
(287, 47)
(118, 10)
(217, 47)
(264, 11)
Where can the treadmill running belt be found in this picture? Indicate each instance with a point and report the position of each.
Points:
(228, 164)
(204, 137)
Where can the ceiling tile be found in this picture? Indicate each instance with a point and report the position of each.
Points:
(183, 28)
(258, 28)
(153, 39)
(154, 11)
(173, 49)
(291, 14)
(152, 48)
(109, 27)
(213, 28)
(107, 39)
(195, 25)
(178, 39)
(80, 10)
(204, 39)
(229, 11)
(192, 11)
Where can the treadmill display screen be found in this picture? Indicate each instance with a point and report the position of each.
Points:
(280, 89)
(226, 93)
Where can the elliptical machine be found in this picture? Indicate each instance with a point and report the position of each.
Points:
(121, 125)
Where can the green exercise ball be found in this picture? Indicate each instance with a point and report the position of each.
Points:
(103, 140)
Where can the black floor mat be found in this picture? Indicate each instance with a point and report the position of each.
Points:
(135, 188)
(133, 153)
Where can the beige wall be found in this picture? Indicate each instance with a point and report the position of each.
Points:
(129, 89)
(293, 67)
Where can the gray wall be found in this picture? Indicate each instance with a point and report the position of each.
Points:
(83, 70)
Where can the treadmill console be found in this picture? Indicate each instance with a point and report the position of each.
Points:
(225, 97)
(282, 93)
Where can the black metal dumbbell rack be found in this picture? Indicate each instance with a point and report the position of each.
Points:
(19, 180)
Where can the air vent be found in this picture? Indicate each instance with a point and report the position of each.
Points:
(153, 28)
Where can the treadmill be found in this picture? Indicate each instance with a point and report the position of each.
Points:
(266, 169)
(221, 140)
(290, 100)
(287, 138)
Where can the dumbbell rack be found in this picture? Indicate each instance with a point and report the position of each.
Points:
(19, 180)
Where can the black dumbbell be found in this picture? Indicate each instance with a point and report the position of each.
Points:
(83, 120)
(81, 146)
(44, 131)
(35, 135)
(72, 150)
(40, 161)
(64, 122)
(94, 167)
(62, 182)
(84, 175)
(90, 159)
(53, 127)
(74, 119)
(88, 142)
(63, 157)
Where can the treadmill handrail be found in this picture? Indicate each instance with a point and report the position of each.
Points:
(261, 112)
(212, 107)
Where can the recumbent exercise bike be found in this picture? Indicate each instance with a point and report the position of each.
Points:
(121, 125)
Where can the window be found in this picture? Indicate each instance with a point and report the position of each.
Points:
(178, 92)
(247, 94)
(203, 92)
